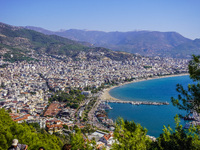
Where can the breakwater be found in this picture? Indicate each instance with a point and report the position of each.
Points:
(136, 102)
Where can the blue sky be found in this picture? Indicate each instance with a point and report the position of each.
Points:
(182, 16)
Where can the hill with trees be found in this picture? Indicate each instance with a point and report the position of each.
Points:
(18, 43)
(147, 43)
(26, 134)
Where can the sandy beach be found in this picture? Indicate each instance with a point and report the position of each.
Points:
(107, 96)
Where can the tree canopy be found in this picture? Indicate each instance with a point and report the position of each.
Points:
(189, 99)
(78, 142)
(179, 139)
(26, 134)
(129, 135)
(72, 99)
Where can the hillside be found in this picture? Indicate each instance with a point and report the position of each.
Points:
(188, 48)
(148, 43)
(26, 134)
(18, 43)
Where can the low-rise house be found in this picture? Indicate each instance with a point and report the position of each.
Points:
(107, 139)
(54, 128)
(23, 118)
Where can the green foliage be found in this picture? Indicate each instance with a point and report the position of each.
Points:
(194, 68)
(20, 40)
(26, 134)
(178, 139)
(2, 85)
(88, 108)
(87, 129)
(78, 142)
(66, 127)
(189, 99)
(146, 67)
(72, 99)
(3, 66)
(35, 125)
(32, 93)
(130, 136)
(15, 54)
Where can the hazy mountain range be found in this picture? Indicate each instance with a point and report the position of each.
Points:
(19, 43)
(147, 43)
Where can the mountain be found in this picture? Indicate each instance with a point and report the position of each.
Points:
(19, 43)
(148, 43)
(188, 48)
(38, 29)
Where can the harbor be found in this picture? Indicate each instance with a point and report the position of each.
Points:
(152, 117)
(136, 102)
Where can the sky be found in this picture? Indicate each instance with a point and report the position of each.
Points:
(182, 16)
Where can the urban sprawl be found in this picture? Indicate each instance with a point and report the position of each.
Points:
(26, 87)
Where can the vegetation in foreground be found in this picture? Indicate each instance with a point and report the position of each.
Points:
(26, 134)
(128, 136)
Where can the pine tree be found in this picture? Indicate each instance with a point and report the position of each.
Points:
(130, 136)
(26, 134)
(189, 99)
(179, 139)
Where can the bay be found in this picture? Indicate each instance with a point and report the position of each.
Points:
(149, 116)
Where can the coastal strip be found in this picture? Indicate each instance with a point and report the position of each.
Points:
(105, 96)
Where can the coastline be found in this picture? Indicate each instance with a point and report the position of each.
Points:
(106, 95)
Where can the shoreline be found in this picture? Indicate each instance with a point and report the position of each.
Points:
(107, 97)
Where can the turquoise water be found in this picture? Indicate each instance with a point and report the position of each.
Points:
(151, 117)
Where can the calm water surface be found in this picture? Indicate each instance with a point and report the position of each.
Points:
(151, 117)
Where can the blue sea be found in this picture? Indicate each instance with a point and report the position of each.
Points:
(149, 116)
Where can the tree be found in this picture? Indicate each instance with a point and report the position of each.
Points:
(26, 134)
(178, 139)
(78, 142)
(130, 136)
(189, 99)
(66, 127)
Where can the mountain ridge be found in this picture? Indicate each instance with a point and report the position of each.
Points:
(147, 43)
(19, 43)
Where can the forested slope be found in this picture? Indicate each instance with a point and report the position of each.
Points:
(26, 134)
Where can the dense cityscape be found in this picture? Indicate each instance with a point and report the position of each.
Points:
(27, 88)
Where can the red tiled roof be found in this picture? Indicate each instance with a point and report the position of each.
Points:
(52, 109)
(107, 136)
(55, 126)
(22, 118)
(13, 116)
